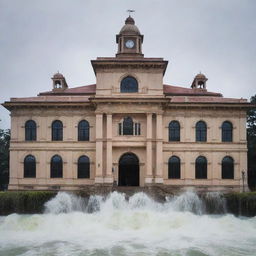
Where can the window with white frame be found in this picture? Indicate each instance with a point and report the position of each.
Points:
(129, 127)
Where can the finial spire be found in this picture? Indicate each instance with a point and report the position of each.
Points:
(130, 11)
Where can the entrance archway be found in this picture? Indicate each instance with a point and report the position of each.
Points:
(129, 170)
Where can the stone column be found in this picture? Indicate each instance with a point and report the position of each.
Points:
(159, 148)
(99, 149)
(149, 173)
(109, 176)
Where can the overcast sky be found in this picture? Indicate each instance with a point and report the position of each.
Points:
(40, 37)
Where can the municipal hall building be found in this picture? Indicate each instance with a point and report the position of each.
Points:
(127, 129)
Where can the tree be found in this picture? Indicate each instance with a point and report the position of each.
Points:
(4, 157)
(251, 142)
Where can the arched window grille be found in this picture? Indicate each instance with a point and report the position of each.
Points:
(201, 131)
(57, 130)
(174, 131)
(128, 127)
(174, 168)
(227, 131)
(83, 167)
(83, 131)
(227, 168)
(30, 130)
(29, 167)
(56, 167)
(129, 84)
(201, 168)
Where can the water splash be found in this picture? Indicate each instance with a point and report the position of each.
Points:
(116, 225)
(188, 201)
(65, 203)
(215, 203)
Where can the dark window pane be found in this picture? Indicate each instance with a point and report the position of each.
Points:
(227, 168)
(30, 130)
(129, 84)
(138, 129)
(201, 168)
(29, 167)
(227, 132)
(174, 131)
(174, 168)
(127, 126)
(83, 131)
(120, 129)
(83, 167)
(56, 167)
(201, 131)
(57, 130)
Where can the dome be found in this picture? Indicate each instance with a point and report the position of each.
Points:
(130, 27)
(200, 76)
(58, 75)
(130, 20)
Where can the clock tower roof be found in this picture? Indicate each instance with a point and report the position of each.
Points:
(130, 27)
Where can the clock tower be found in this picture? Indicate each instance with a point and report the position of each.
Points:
(129, 40)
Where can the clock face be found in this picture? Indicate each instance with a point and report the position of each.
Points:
(129, 44)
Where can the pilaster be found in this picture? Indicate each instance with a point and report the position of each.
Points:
(159, 148)
(149, 173)
(99, 148)
(109, 176)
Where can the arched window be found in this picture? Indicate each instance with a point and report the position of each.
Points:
(201, 168)
(83, 131)
(129, 84)
(57, 130)
(30, 130)
(201, 131)
(83, 167)
(128, 126)
(29, 167)
(56, 167)
(174, 168)
(174, 131)
(227, 168)
(227, 131)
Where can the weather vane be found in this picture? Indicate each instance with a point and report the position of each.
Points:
(130, 11)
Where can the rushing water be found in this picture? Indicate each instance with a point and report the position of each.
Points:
(137, 226)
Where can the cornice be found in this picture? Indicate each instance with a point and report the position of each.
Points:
(129, 64)
(12, 105)
(209, 105)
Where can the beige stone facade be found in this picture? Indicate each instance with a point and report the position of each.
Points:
(152, 106)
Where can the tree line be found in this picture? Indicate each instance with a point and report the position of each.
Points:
(4, 158)
(251, 142)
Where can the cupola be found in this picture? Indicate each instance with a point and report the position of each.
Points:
(129, 40)
(199, 82)
(59, 82)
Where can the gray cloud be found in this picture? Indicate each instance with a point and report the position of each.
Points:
(37, 38)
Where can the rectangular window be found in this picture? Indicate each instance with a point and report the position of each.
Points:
(120, 129)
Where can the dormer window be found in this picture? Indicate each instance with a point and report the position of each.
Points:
(129, 127)
(199, 81)
(201, 84)
(57, 84)
(129, 85)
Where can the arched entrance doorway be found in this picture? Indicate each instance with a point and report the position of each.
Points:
(129, 170)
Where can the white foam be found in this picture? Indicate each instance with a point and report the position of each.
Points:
(116, 226)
